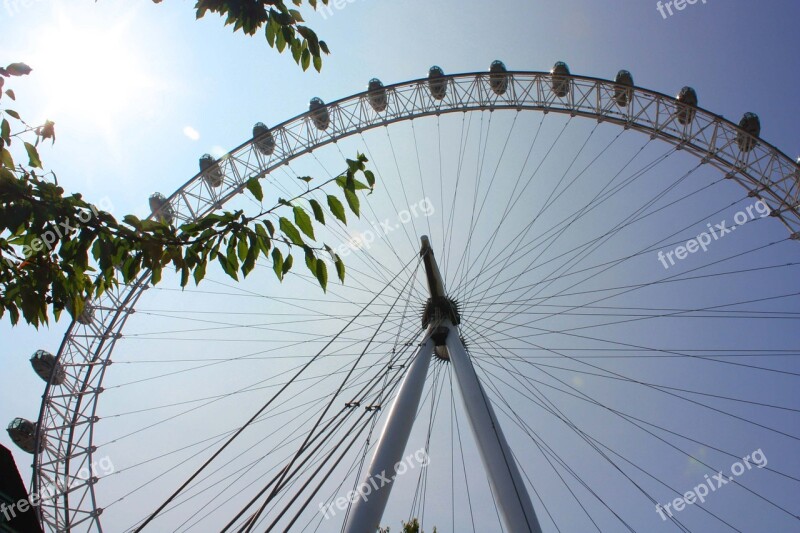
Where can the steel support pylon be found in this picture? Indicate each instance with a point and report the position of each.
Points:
(508, 487)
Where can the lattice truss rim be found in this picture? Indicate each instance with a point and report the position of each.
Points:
(67, 416)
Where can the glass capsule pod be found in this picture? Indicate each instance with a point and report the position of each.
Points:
(376, 95)
(687, 102)
(23, 434)
(319, 114)
(212, 174)
(498, 77)
(560, 79)
(48, 368)
(751, 126)
(437, 83)
(264, 141)
(623, 90)
(161, 208)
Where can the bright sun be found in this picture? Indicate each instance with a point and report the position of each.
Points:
(91, 74)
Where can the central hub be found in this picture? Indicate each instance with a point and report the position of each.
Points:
(439, 308)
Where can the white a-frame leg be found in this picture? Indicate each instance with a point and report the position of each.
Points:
(510, 493)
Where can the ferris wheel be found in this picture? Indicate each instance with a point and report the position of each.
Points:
(568, 302)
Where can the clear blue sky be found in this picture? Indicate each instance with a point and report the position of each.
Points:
(139, 91)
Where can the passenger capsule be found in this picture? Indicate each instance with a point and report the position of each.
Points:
(264, 141)
(212, 174)
(48, 368)
(498, 77)
(623, 90)
(376, 95)
(687, 102)
(560, 79)
(437, 83)
(23, 433)
(319, 114)
(161, 209)
(752, 129)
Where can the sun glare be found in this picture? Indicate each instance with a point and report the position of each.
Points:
(91, 74)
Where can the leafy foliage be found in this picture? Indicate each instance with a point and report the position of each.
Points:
(57, 252)
(282, 25)
(412, 526)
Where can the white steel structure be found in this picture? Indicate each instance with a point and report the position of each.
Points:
(68, 412)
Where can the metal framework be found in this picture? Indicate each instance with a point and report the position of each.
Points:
(508, 488)
(67, 414)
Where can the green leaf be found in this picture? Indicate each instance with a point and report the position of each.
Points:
(370, 178)
(339, 268)
(184, 276)
(230, 254)
(155, 276)
(337, 208)
(296, 50)
(200, 271)
(305, 59)
(348, 182)
(226, 266)
(242, 250)
(6, 159)
(303, 222)
(290, 231)
(132, 220)
(280, 40)
(352, 201)
(12, 113)
(277, 263)
(287, 264)
(33, 156)
(322, 275)
(5, 131)
(318, 63)
(272, 27)
(254, 187)
(311, 261)
(263, 239)
(319, 214)
(249, 262)
(18, 69)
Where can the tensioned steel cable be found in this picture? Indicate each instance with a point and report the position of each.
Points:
(395, 383)
(549, 406)
(572, 426)
(784, 510)
(278, 485)
(359, 396)
(381, 400)
(531, 380)
(261, 410)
